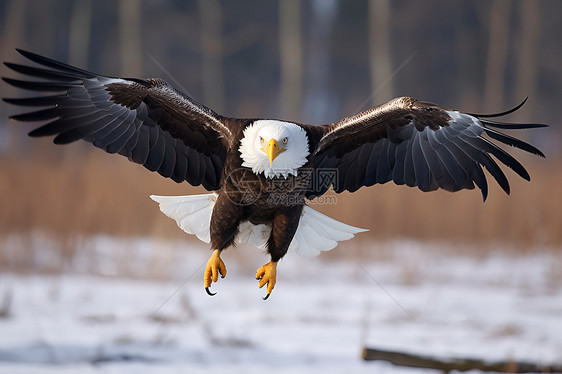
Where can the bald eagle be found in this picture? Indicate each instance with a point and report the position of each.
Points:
(261, 172)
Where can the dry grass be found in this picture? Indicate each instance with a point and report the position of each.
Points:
(90, 192)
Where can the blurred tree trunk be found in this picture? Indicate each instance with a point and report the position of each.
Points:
(320, 103)
(467, 41)
(79, 33)
(290, 50)
(497, 55)
(212, 51)
(14, 26)
(130, 37)
(379, 51)
(527, 57)
(11, 38)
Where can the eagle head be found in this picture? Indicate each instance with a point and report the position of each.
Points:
(275, 148)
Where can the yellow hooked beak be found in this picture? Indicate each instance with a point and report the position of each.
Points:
(272, 150)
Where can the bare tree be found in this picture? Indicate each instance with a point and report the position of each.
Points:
(290, 50)
(497, 54)
(527, 57)
(379, 51)
(320, 103)
(212, 51)
(79, 33)
(467, 61)
(14, 21)
(130, 37)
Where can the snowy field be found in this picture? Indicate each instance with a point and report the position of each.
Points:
(411, 297)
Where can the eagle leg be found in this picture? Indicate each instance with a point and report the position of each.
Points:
(267, 274)
(215, 266)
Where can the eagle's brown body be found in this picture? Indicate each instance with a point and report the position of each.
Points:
(245, 196)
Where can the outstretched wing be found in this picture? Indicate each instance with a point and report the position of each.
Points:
(418, 144)
(148, 121)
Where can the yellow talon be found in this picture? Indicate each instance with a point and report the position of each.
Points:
(267, 274)
(215, 266)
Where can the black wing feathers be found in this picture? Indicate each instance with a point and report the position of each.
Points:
(147, 121)
(58, 66)
(418, 144)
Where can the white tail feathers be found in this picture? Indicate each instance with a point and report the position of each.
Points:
(192, 213)
(316, 232)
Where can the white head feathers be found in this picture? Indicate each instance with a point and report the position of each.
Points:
(291, 139)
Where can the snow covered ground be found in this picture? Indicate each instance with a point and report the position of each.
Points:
(411, 298)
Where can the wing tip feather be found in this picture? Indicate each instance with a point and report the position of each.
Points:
(500, 114)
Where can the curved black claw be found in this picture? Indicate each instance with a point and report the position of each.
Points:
(266, 296)
(211, 293)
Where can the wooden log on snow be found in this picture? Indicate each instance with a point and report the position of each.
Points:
(459, 364)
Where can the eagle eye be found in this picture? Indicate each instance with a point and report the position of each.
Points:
(284, 140)
(261, 140)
